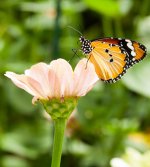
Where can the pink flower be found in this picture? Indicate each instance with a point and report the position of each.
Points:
(56, 80)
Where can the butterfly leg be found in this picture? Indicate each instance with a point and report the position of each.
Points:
(75, 54)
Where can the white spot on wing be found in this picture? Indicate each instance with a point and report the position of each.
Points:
(133, 53)
(133, 59)
(127, 40)
(129, 45)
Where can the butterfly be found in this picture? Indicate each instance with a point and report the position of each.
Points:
(112, 57)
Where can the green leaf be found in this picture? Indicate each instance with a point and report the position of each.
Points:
(138, 78)
(19, 99)
(12, 161)
(108, 7)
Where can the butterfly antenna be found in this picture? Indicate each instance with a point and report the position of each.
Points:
(75, 30)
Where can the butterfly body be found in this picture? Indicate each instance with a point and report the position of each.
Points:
(111, 57)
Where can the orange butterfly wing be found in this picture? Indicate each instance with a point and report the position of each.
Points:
(109, 60)
(140, 51)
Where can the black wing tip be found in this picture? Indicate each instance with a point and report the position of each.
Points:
(110, 81)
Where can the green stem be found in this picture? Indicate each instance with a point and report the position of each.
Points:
(56, 38)
(60, 125)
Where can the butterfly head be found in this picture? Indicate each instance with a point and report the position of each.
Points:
(85, 45)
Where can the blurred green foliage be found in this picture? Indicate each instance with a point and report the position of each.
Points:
(32, 31)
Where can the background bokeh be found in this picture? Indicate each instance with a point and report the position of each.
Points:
(113, 120)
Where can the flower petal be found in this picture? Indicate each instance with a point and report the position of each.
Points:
(26, 83)
(85, 77)
(62, 79)
(56, 80)
(54, 84)
(39, 73)
(118, 162)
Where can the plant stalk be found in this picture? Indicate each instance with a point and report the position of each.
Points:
(60, 125)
